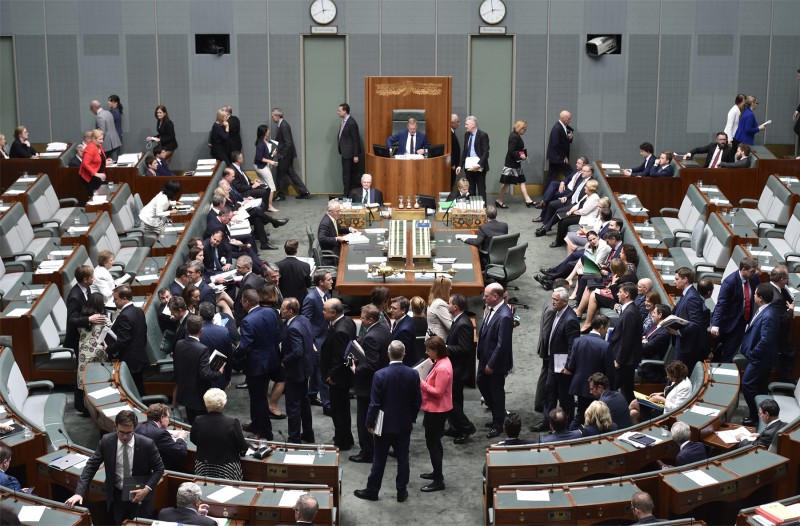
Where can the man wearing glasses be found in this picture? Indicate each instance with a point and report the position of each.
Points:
(131, 462)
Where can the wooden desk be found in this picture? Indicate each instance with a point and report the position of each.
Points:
(396, 177)
(55, 513)
(745, 517)
(57, 276)
(24, 450)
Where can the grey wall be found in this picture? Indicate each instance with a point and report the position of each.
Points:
(683, 61)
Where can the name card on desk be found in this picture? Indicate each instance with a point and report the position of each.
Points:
(16, 313)
(102, 393)
(225, 494)
(700, 477)
(703, 410)
(542, 495)
(289, 497)
(298, 459)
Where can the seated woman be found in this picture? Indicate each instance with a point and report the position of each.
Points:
(597, 420)
(583, 213)
(593, 300)
(219, 440)
(191, 295)
(224, 301)
(577, 239)
(676, 393)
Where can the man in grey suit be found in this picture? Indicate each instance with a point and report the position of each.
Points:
(286, 154)
(104, 121)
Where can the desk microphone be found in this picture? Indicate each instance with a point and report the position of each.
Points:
(65, 437)
(285, 441)
(447, 213)
(110, 374)
(30, 292)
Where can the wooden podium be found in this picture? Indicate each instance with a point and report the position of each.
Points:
(395, 177)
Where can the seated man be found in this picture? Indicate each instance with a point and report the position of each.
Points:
(560, 189)
(558, 427)
(642, 508)
(162, 168)
(690, 451)
(7, 481)
(188, 509)
(643, 170)
(598, 389)
(655, 343)
(367, 195)
(557, 209)
(76, 161)
(409, 140)
(716, 152)
(512, 425)
(768, 411)
(663, 166)
(492, 227)
(742, 158)
(330, 234)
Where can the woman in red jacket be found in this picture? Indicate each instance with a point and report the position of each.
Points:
(94, 163)
(437, 401)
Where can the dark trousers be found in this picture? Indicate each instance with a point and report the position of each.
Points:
(257, 389)
(477, 183)
(729, 343)
(287, 176)
(316, 386)
(493, 390)
(563, 269)
(78, 401)
(551, 216)
(458, 420)
(191, 414)
(365, 441)
(298, 412)
(541, 383)
(434, 431)
(552, 191)
(399, 442)
(349, 175)
(754, 382)
(92, 185)
(260, 231)
(138, 381)
(579, 419)
(625, 381)
(557, 390)
(340, 414)
(124, 510)
(556, 170)
(563, 226)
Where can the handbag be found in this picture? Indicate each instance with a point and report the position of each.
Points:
(510, 173)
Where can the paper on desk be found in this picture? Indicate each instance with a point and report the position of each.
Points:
(225, 494)
(51, 264)
(464, 237)
(203, 173)
(2, 409)
(78, 229)
(289, 497)
(606, 166)
(221, 521)
(445, 261)
(643, 228)
(31, 513)
(374, 259)
(98, 200)
(175, 228)
(729, 435)
(102, 393)
(726, 372)
(356, 238)
(702, 410)
(358, 267)
(147, 277)
(211, 162)
(81, 465)
(649, 241)
(122, 279)
(700, 477)
(16, 313)
(541, 495)
(166, 523)
(627, 196)
(62, 253)
(128, 158)
(298, 459)
(188, 199)
(376, 230)
(30, 292)
(49, 155)
(113, 411)
(13, 192)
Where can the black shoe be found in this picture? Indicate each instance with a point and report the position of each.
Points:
(537, 220)
(279, 222)
(488, 424)
(540, 232)
(557, 244)
(279, 197)
(360, 459)
(248, 428)
(242, 385)
(273, 416)
(450, 432)
(344, 448)
(545, 270)
(426, 476)
(461, 439)
(750, 422)
(267, 246)
(498, 204)
(529, 204)
(365, 494)
(393, 453)
(433, 486)
(402, 495)
(540, 427)
(326, 411)
(539, 205)
(494, 432)
(309, 439)
(313, 400)
(303, 196)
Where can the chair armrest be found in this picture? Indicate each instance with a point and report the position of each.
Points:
(782, 386)
(15, 264)
(785, 256)
(51, 221)
(751, 203)
(681, 231)
(328, 254)
(130, 241)
(61, 349)
(659, 363)
(668, 210)
(760, 222)
(774, 232)
(39, 384)
(714, 276)
(68, 201)
(154, 399)
(164, 361)
(704, 265)
(40, 232)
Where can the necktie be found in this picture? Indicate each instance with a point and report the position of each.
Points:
(412, 150)
(746, 301)
(486, 319)
(469, 145)
(341, 128)
(217, 262)
(366, 197)
(126, 462)
(715, 160)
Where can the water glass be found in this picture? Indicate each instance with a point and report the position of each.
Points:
(700, 183)
(320, 450)
(26, 432)
(664, 431)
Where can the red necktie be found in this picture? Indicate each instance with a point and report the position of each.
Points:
(746, 301)
(715, 160)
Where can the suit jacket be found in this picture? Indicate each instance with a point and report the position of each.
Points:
(690, 341)
(728, 154)
(396, 391)
(298, 349)
(20, 150)
(327, 233)
(494, 341)
(234, 134)
(104, 120)
(75, 162)
(563, 335)
(283, 136)
(455, 147)
(146, 463)
(7, 481)
(656, 345)
(171, 451)
(545, 326)
(760, 342)
(375, 195)
(401, 138)
(295, 278)
(691, 452)
(618, 407)
(184, 516)
(515, 146)
(558, 144)
(767, 436)
(486, 232)
(207, 294)
(644, 169)
(75, 320)
(561, 435)
(331, 357)
(349, 139)
(744, 162)
(375, 344)
(219, 438)
(241, 182)
(162, 168)
(193, 374)
(481, 148)
(259, 340)
(589, 355)
(166, 133)
(131, 344)
(662, 171)
(217, 338)
(405, 333)
(250, 281)
(312, 309)
(461, 346)
(223, 251)
(213, 224)
(729, 310)
(625, 342)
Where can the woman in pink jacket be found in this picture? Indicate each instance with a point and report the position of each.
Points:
(437, 401)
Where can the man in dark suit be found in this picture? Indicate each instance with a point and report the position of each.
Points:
(341, 331)
(330, 234)
(257, 215)
(162, 168)
(556, 210)
(216, 254)
(564, 330)
(690, 340)
(195, 272)
(179, 311)
(259, 338)
(193, 375)
(476, 144)
(218, 338)
(76, 161)
(558, 148)
(643, 170)
(188, 508)
(171, 446)
(655, 343)
(286, 154)
(558, 420)
(238, 245)
(181, 280)
(408, 141)
(543, 351)
(461, 348)
(492, 227)
(599, 390)
(734, 308)
(455, 148)
(124, 455)
(76, 300)
(783, 299)
(367, 195)
(298, 360)
(768, 412)
(395, 391)
(642, 508)
(760, 347)
(558, 190)
(313, 311)
(589, 354)
(625, 343)
(402, 328)
(295, 275)
(130, 328)
(250, 280)
(349, 144)
(244, 185)
(495, 354)
(374, 342)
(690, 451)
(716, 152)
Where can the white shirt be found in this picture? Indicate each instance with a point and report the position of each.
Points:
(120, 449)
(103, 282)
(732, 124)
(155, 211)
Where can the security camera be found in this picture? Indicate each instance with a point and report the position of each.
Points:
(601, 46)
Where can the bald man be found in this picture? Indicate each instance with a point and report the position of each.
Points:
(558, 148)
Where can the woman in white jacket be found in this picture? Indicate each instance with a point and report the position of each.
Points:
(103, 282)
(154, 213)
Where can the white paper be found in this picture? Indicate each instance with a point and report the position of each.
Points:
(102, 393)
(147, 277)
(356, 238)
(365, 266)
(203, 173)
(225, 494)
(445, 261)
(175, 228)
(471, 162)
(289, 497)
(541, 495)
(56, 146)
(209, 162)
(122, 279)
(729, 435)
(376, 230)
(609, 165)
(626, 196)
(98, 200)
(61, 253)
(464, 237)
(643, 228)
(559, 362)
(2, 409)
(81, 465)
(113, 411)
(49, 155)
(30, 292)
(702, 410)
(78, 229)
(7, 423)
(298, 459)
(648, 241)
(16, 313)
(51, 264)
(224, 275)
(252, 203)
(725, 372)
(31, 513)
(375, 259)
(700, 477)
(423, 368)
(462, 266)
(13, 192)
(128, 158)
(188, 199)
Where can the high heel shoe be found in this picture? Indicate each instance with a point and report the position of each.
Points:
(529, 204)
(498, 204)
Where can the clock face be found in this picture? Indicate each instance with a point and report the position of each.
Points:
(323, 11)
(493, 11)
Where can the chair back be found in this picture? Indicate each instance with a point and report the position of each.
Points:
(499, 246)
(400, 119)
(515, 262)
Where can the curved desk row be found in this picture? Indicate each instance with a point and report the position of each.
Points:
(53, 513)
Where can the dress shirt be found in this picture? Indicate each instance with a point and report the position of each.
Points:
(753, 319)
(120, 448)
(411, 143)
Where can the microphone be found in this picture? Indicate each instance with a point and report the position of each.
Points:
(110, 375)
(29, 297)
(447, 212)
(285, 441)
(65, 437)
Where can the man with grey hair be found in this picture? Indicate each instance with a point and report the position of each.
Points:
(476, 149)
(188, 509)
(285, 155)
(366, 195)
(104, 121)
(558, 147)
(330, 234)
(335, 373)
(690, 451)
(305, 509)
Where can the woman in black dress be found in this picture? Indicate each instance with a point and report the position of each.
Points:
(218, 138)
(165, 132)
(21, 147)
(512, 168)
